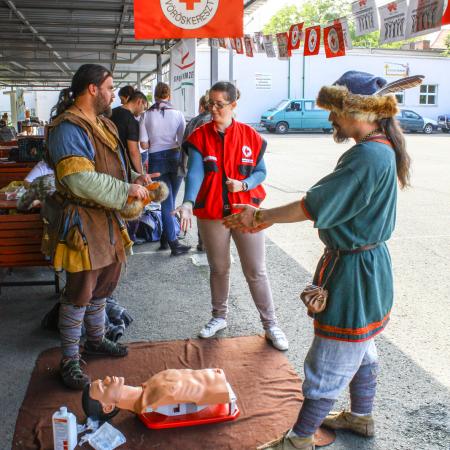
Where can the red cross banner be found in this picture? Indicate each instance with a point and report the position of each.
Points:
(178, 19)
(312, 41)
(295, 36)
(283, 45)
(333, 38)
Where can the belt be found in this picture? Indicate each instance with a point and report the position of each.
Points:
(64, 198)
(328, 254)
(340, 252)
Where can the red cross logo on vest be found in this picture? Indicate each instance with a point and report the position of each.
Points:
(189, 3)
(362, 3)
(392, 7)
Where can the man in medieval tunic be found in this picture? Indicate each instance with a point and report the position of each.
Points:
(354, 210)
(93, 182)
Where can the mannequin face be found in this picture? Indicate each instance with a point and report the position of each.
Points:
(107, 392)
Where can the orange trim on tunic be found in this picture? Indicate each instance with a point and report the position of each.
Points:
(305, 210)
(352, 331)
(317, 333)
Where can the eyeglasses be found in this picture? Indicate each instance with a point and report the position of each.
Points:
(218, 105)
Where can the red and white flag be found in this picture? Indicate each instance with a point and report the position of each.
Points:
(249, 46)
(239, 45)
(295, 36)
(312, 41)
(283, 46)
(446, 16)
(177, 19)
(333, 38)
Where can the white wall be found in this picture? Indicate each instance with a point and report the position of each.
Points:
(320, 71)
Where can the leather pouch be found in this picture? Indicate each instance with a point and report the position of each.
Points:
(315, 298)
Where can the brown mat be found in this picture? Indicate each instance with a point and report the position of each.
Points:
(266, 385)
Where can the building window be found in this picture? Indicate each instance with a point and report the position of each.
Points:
(428, 94)
(400, 96)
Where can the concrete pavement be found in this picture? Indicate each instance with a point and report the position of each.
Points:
(169, 298)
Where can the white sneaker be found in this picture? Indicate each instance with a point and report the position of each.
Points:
(212, 327)
(277, 338)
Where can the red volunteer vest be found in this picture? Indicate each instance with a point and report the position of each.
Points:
(234, 156)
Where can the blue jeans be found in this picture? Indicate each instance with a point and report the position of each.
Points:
(144, 159)
(166, 162)
(331, 365)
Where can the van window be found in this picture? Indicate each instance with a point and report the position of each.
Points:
(310, 105)
(295, 106)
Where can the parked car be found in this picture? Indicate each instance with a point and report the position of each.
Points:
(444, 122)
(299, 114)
(411, 121)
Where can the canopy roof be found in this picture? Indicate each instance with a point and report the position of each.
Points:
(42, 43)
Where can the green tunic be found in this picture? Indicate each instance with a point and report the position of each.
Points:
(352, 207)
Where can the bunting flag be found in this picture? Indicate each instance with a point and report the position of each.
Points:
(333, 38)
(446, 16)
(283, 46)
(295, 36)
(213, 42)
(259, 42)
(346, 31)
(239, 45)
(224, 43)
(424, 17)
(249, 47)
(233, 43)
(268, 46)
(393, 21)
(312, 41)
(177, 19)
(366, 16)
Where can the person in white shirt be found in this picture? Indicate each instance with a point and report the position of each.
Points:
(161, 132)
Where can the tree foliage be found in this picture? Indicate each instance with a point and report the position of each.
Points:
(320, 12)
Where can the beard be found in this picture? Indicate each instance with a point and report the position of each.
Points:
(102, 106)
(338, 136)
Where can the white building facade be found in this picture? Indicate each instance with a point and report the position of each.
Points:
(264, 81)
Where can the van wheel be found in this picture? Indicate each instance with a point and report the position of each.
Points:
(428, 128)
(327, 130)
(282, 128)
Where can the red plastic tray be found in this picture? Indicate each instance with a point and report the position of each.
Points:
(212, 414)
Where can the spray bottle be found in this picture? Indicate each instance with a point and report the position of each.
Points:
(64, 430)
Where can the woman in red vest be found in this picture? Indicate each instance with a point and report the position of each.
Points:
(226, 166)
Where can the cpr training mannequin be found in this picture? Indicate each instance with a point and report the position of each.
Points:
(102, 399)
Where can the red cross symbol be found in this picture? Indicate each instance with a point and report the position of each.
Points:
(313, 40)
(190, 3)
(333, 41)
(362, 3)
(392, 7)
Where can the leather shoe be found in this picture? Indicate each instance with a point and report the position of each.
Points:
(178, 249)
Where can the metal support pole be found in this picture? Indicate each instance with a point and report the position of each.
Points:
(12, 99)
(230, 65)
(289, 78)
(138, 81)
(158, 68)
(214, 65)
(303, 77)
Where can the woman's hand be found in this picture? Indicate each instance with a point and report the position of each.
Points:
(138, 191)
(185, 212)
(144, 180)
(234, 185)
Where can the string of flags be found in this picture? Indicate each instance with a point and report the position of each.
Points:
(396, 21)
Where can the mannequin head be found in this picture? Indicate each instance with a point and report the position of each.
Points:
(101, 396)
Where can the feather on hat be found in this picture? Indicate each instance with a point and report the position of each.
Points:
(364, 96)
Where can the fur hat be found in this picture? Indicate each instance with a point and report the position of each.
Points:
(364, 96)
(158, 192)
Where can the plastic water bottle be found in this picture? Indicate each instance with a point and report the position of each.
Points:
(64, 429)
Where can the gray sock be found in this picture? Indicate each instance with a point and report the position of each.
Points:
(70, 321)
(94, 319)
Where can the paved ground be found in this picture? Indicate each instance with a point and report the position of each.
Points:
(169, 298)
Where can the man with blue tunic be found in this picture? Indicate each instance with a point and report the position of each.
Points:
(354, 210)
(90, 242)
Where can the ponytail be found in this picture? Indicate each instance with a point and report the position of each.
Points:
(65, 100)
(393, 132)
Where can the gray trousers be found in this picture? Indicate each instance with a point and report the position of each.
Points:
(251, 249)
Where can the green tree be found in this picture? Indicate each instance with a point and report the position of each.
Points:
(282, 20)
(447, 44)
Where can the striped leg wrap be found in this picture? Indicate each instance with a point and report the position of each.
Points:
(70, 321)
(94, 319)
(363, 388)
